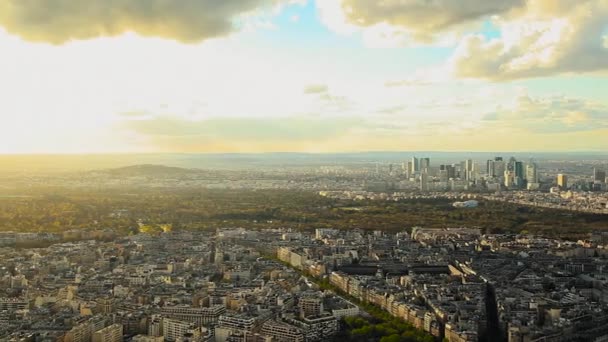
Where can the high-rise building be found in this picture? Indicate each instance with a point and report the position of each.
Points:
(415, 166)
(461, 169)
(532, 176)
(443, 173)
(511, 164)
(443, 176)
(519, 173)
(451, 169)
(499, 167)
(519, 169)
(425, 165)
(599, 175)
(562, 181)
(424, 182)
(468, 169)
(477, 171)
(490, 169)
(532, 173)
(509, 178)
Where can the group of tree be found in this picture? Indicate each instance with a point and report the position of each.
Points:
(388, 330)
(57, 209)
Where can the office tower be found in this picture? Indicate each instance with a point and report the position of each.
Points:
(520, 176)
(443, 175)
(477, 171)
(532, 176)
(599, 175)
(451, 169)
(509, 174)
(490, 169)
(562, 181)
(511, 164)
(519, 170)
(509, 177)
(468, 169)
(410, 168)
(424, 182)
(532, 173)
(390, 169)
(425, 165)
(415, 166)
(499, 167)
(461, 169)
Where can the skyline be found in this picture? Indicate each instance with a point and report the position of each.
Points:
(247, 161)
(303, 76)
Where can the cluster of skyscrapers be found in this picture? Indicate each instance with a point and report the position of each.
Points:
(493, 175)
(514, 174)
(511, 174)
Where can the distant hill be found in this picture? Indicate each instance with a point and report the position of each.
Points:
(149, 170)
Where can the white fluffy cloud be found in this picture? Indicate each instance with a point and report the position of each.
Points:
(548, 37)
(392, 23)
(58, 21)
(422, 20)
(534, 37)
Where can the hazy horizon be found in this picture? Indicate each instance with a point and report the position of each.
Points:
(74, 162)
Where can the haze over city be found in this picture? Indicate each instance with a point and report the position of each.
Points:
(303, 170)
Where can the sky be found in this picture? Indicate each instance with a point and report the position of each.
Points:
(122, 76)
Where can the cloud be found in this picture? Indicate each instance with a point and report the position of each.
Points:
(424, 21)
(328, 100)
(557, 114)
(495, 39)
(545, 38)
(59, 21)
(316, 89)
